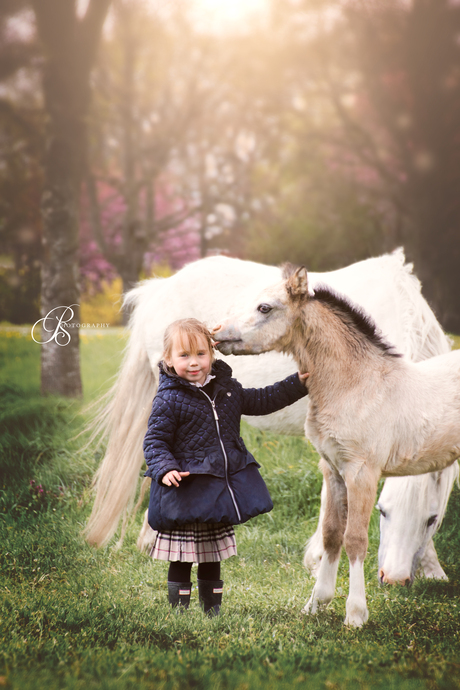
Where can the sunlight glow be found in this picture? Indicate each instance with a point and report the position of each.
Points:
(220, 15)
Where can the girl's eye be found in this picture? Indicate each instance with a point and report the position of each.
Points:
(264, 308)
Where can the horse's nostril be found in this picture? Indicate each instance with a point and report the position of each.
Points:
(381, 576)
(407, 582)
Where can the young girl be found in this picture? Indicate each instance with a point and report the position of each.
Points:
(204, 480)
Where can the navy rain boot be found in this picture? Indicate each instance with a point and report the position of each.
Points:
(210, 594)
(179, 594)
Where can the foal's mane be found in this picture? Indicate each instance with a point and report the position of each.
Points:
(350, 312)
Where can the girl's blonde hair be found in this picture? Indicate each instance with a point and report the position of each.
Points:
(189, 331)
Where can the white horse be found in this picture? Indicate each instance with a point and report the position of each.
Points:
(208, 290)
(371, 412)
(404, 544)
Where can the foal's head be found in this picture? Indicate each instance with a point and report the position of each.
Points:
(281, 317)
(267, 323)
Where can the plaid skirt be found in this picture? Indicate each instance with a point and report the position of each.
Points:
(195, 543)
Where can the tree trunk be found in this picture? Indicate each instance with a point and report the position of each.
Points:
(65, 105)
(69, 45)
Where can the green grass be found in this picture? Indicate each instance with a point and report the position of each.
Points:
(75, 617)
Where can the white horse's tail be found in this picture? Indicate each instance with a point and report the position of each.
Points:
(124, 421)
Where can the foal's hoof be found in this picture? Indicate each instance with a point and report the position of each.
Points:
(356, 617)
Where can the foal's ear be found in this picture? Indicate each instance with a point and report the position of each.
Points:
(297, 284)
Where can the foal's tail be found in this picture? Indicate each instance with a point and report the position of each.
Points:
(123, 421)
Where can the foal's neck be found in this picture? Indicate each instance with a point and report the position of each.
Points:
(329, 347)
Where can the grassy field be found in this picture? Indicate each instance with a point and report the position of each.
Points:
(78, 618)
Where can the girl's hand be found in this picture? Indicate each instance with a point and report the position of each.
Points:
(303, 378)
(174, 477)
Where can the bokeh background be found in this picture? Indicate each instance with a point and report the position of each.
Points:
(315, 131)
(137, 136)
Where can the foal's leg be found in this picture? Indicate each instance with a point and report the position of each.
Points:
(361, 493)
(334, 522)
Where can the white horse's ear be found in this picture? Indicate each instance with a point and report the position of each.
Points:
(297, 284)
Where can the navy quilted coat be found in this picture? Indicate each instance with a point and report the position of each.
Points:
(190, 432)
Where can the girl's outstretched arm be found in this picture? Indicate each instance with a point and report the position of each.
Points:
(259, 401)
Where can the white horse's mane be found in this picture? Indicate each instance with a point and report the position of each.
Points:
(424, 336)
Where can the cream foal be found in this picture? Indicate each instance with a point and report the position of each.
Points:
(371, 412)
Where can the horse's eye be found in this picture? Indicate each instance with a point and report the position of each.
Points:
(381, 511)
(431, 520)
(264, 308)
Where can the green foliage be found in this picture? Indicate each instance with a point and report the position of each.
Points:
(19, 294)
(291, 466)
(322, 220)
(79, 618)
(105, 306)
(100, 356)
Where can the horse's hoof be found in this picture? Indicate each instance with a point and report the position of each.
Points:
(314, 605)
(311, 607)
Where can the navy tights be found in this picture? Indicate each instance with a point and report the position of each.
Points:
(180, 571)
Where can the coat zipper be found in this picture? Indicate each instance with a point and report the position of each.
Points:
(216, 419)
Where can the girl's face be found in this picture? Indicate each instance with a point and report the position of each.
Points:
(191, 364)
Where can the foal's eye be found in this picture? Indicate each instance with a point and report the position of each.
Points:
(381, 511)
(431, 520)
(264, 308)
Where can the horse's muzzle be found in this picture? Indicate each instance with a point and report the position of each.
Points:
(385, 580)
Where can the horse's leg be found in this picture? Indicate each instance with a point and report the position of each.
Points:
(430, 565)
(361, 493)
(314, 548)
(335, 519)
